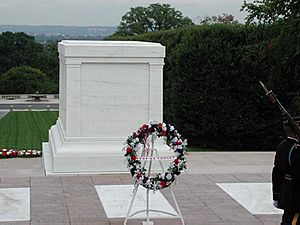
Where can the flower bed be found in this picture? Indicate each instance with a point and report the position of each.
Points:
(12, 153)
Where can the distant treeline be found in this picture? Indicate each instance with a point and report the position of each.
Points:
(211, 82)
(51, 33)
(62, 30)
(45, 39)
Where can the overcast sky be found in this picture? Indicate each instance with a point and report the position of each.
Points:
(102, 12)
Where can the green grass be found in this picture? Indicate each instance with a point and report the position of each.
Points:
(26, 130)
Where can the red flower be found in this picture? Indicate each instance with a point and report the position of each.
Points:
(164, 133)
(133, 157)
(178, 142)
(160, 125)
(162, 183)
(134, 135)
(150, 129)
(144, 126)
(176, 161)
(128, 150)
(4, 154)
(138, 175)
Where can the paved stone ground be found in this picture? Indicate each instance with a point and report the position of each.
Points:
(3, 112)
(73, 200)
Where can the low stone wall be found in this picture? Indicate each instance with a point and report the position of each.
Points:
(28, 96)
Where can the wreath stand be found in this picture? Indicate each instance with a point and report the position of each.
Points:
(147, 210)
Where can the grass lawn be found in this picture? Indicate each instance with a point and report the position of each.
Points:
(26, 130)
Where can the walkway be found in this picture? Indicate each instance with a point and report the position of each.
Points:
(3, 112)
(24, 104)
(202, 193)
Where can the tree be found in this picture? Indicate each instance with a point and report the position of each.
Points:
(134, 22)
(18, 49)
(269, 11)
(152, 18)
(224, 19)
(24, 80)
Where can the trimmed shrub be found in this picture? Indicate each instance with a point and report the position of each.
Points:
(211, 82)
(24, 80)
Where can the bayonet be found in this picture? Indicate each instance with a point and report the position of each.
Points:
(272, 97)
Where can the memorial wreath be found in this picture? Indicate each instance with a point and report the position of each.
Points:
(138, 141)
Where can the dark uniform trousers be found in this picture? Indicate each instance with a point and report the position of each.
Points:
(286, 181)
(290, 218)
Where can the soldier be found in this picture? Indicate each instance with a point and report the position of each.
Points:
(286, 176)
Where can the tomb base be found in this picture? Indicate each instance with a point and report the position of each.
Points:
(82, 155)
(63, 155)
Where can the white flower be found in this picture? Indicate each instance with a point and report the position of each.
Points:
(169, 176)
(174, 140)
(172, 128)
(164, 127)
(148, 182)
(177, 154)
(136, 140)
(155, 185)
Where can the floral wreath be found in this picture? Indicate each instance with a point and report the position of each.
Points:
(138, 140)
(11, 153)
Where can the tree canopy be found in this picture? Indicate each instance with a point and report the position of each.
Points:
(269, 11)
(24, 80)
(17, 49)
(20, 49)
(224, 19)
(152, 18)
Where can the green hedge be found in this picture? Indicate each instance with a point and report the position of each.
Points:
(211, 89)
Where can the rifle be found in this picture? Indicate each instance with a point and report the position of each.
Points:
(285, 113)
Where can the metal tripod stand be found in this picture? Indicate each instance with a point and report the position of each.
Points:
(148, 210)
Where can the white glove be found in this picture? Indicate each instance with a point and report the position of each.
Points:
(275, 203)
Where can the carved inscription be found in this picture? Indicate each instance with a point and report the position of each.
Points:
(114, 97)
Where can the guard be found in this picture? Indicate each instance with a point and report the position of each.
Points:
(286, 175)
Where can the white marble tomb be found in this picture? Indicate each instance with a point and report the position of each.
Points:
(107, 90)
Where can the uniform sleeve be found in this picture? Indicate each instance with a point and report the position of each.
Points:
(277, 175)
(296, 177)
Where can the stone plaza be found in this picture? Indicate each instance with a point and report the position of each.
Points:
(203, 193)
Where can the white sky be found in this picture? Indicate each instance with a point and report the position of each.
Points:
(103, 12)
